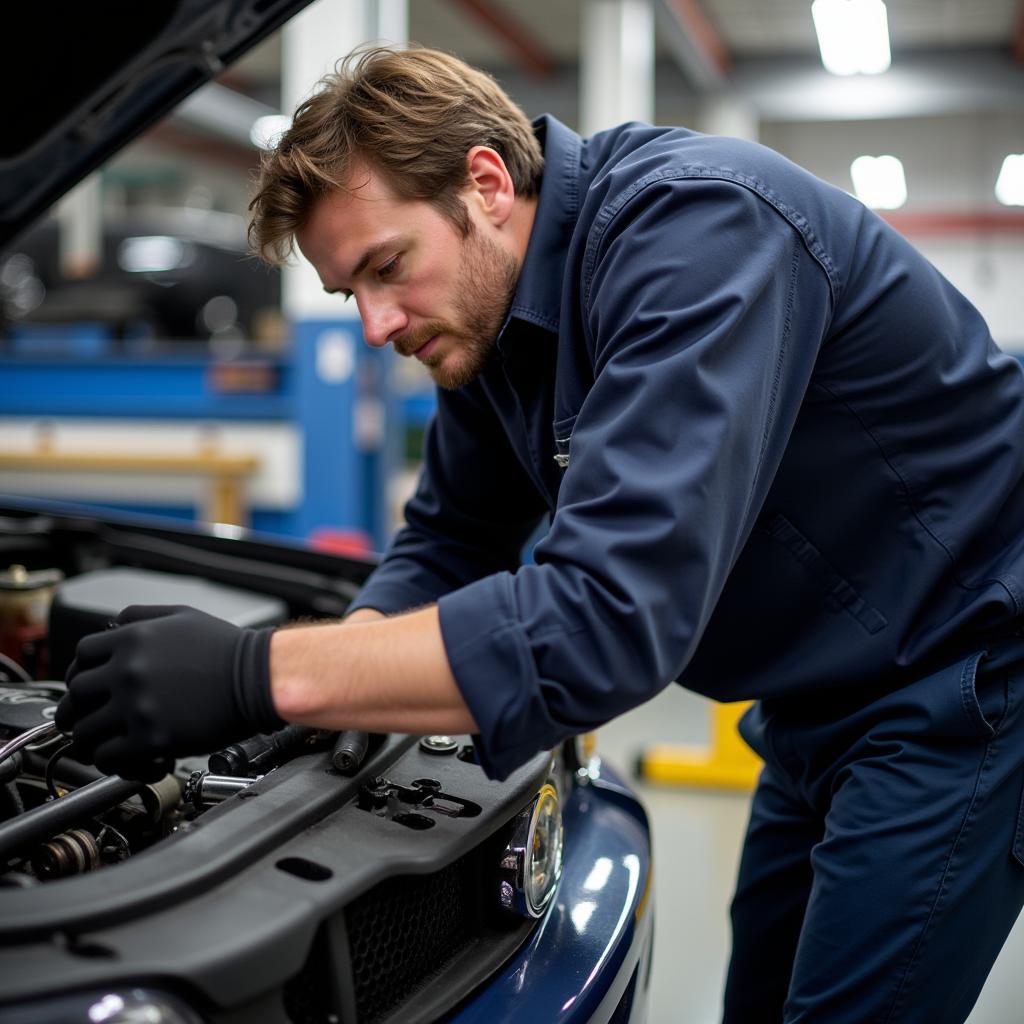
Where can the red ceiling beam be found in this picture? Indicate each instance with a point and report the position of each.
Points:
(514, 36)
(1017, 46)
(702, 32)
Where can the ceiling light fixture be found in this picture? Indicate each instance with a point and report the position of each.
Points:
(853, 36)
(1010, 183)
(879, 182)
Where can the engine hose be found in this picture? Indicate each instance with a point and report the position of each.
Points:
(10, 801)
(41, 823)
(37, 734)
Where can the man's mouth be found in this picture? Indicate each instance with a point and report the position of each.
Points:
(427, 347)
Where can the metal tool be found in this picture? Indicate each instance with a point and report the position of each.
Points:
(204, 788)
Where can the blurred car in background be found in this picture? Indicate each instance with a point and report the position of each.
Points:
(175, 274)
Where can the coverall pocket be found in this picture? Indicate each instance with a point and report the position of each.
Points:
(986, 695)
(980, 722)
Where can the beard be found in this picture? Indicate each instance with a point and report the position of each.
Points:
(483, 295)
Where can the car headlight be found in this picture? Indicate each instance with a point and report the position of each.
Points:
(124, 1006)
(532, 861)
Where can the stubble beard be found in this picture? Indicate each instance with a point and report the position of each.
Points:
(487, 282)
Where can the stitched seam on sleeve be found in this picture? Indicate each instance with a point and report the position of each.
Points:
(796, 220)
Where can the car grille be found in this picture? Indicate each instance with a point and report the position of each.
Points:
(404, 931)
(407, 950)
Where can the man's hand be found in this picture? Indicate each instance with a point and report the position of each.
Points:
(166, 682)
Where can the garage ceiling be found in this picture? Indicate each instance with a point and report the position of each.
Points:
(747, 27)
(761, 27)
(952, 57)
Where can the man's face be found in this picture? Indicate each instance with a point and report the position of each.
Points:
(417, 282)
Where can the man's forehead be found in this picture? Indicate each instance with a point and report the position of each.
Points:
(365, 183)
(347, 219)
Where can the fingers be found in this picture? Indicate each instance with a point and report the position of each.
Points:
(92, 731)
(97, 648)
(141, 612)
(65, 716)
(86, 694)
(118, 756)
(92, 650)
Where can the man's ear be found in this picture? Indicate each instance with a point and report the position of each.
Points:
(490, 185)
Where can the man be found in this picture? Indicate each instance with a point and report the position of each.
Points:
(782, 459)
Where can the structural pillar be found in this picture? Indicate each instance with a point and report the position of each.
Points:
(729, 114)
(342, 387)
(80, 222)
(616, 63)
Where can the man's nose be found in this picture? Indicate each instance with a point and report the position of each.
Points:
(382, 321)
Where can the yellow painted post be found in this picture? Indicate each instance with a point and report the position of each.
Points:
(726, 762)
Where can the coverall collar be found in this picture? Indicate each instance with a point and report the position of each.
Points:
(538, 296)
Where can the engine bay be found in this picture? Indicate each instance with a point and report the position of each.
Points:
(377, 877)
(61, 581)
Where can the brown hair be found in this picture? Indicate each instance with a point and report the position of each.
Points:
(412, 115)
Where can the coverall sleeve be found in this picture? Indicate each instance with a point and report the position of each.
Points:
(473, 510)
(703, 312)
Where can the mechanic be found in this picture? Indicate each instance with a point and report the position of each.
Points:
(781, 458)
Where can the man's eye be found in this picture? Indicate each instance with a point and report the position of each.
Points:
(388, 268)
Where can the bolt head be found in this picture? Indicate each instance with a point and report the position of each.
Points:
(438, 744)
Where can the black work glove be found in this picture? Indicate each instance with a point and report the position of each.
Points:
(166, 682)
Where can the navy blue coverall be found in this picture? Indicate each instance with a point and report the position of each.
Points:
(782, 459)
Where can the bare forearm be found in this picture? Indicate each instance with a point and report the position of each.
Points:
(373, 673)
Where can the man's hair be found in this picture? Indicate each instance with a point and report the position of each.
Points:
(409, 115)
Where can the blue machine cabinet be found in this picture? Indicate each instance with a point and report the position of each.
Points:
(330, 386)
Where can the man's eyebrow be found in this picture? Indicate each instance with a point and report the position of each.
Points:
(371, 253)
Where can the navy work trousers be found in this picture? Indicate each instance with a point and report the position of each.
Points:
(884, 861)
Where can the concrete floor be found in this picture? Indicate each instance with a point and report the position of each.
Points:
(697, 837)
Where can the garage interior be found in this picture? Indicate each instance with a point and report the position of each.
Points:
(102, 390)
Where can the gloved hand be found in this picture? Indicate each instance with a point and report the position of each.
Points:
(166, 682)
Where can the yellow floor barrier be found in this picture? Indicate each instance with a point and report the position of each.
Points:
(726, 762)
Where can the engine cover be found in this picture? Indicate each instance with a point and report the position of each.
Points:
(22, 708)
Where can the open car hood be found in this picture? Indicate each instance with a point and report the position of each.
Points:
(85, 79)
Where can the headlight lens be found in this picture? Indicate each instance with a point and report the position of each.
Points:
(532, 861)
(131, 1006)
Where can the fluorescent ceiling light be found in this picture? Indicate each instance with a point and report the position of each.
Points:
(853, 36)
(879, 182)
(1010, 183)
(266, 131)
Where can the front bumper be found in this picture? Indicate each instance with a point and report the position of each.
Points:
(589, 959)
(258, 942)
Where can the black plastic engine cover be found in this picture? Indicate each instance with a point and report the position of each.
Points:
(22, 708)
